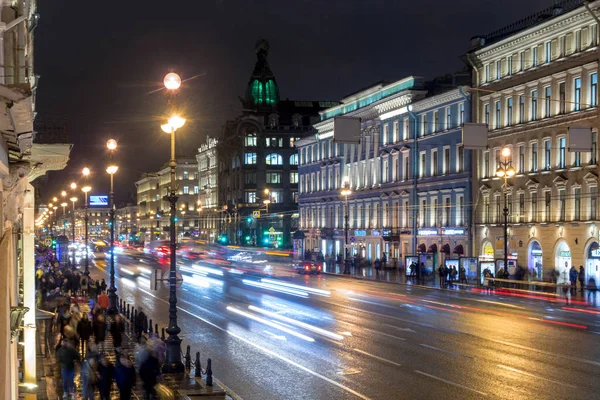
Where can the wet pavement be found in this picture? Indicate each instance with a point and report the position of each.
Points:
(329, 337)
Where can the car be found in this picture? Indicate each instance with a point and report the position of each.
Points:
(309, 268)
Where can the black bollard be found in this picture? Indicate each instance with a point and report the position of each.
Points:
(188, 358)
(150, 326)
(156, 329)
(198, 371)
(163, 334)
(128, 314)
(134, 313)
(208, 373)
(145, 324)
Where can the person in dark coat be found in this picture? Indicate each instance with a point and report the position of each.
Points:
(125, 377)
(581, 277)
(116, 330)
(84, 331)
(100, 332)
(149, 371)
(139, 322)
(106, 372)
(103, 286)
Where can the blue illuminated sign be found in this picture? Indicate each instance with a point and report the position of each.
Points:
(98, 201)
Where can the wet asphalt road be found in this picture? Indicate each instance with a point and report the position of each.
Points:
(335, 338)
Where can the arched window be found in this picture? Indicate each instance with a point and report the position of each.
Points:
(274, 159)
(294, 159)
(250, 139)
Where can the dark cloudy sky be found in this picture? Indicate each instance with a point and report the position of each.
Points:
(100, 61)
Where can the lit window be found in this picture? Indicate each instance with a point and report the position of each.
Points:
(293, 177)
(294, 159)
(250, 158)
(593, 90)
(273, 177)
(577, 94)
(274, 159)
(251, 140)
(195, 189)
(534, 104)
(186, 190)
(250, 197)
(186, 175)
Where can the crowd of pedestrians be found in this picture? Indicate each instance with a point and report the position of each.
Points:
(83, 323)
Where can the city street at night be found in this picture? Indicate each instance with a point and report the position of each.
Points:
(298, 337)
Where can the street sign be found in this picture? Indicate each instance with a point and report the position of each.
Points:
(271, 229)
(352, 239)
(48, 242)
(255, 214)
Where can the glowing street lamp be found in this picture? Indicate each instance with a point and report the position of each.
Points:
(505, 171)
(86, 189)
(172, 81)
(111, 144)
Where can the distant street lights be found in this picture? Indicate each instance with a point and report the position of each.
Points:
(172, 82)
(73, 200)
(346, 192)
(111, 144)
(63, 205)
(505, 170)
(86, 189)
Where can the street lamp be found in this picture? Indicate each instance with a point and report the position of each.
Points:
(63, 205)
(111, 144)
(346, 192)
(86, 190)
(505, 170)
(73, 186)
(172, 82)
(73, 200)
(267, 200)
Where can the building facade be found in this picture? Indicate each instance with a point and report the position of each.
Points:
(127, 224)
(154, 209)
(409, 176)
(533, 81)
(208, 201)
(258, 162)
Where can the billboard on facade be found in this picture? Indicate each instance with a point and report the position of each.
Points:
(346, 130)
(474, 136)
(98, 201)
(579, 139)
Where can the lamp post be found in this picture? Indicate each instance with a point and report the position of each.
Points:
(63, 205)
(172, 82)
(505, 170)
(346, 192)
(111, 144)
(73, 200)
(86, 189)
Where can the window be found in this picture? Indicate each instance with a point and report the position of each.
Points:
(509, 65)
(277, 196)
(274, 159)
(273, 177)
(461, 114)
(534, 157)
(593, 90)
(486, 210)
(498, 109)
(576, 94)
(157, 197)
(396, 132)
(460, 212)
(250, 197)
(548, 203)
(486, 164)
(436, 122)
(446, 221)
(594, 148)
(422, 212)
(521, 169)
(446, 161)
(534, 104)
(186, 190)
(405, 168)
(534, 207)
(577, 159)
(250, 178)
(423, 124)
(487, 114)
(548, 53)
(562, 98)
(293, 177)
(594, 35)
(521, 207)
(294, 159)
(386, 134)
(521, 109)
(509, 111)
(562, 152)
(249, 158)
(423, 165)
(195, 176)
(562, 204)
(547, 101)
(186, 175)
(593, 203)
(251, 140)
(563, 45)
(405, 131)
(448, 118)
(577, 211)
(196, 190)
(578, 40)
(522, 61)
(434, 162)
(534, 56)
(487, 73)
(385, 171)
(547, 154)
(498, 212)
(498, 69)
(274, 142)
(461, 159)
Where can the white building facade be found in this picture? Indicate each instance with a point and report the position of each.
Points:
(207, 203)
(532, 84)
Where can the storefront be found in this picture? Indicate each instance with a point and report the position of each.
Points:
(534, 260)
(592, 263)
(563, 261)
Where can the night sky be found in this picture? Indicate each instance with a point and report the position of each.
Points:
(101, 64)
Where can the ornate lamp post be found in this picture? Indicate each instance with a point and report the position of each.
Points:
(346, 192)
(86, 189)
(111, 144)
(173, 364)
(505, 170)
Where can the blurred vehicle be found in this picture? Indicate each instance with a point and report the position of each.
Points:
(308, 267)
(241, 257)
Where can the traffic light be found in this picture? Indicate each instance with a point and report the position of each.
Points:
(175, 219)
(249, 220)
(53, 244)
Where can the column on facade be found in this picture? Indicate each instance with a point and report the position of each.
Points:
(28, 252)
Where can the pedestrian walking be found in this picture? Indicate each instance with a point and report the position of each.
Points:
(117, 327)
(441, 274)
(84, 330)
(103, 302)
(100, 332)
(106, 372)
(377, 266)
(462, 275)
(581, 277)
(125, 377)
(573, 278)
(93, 289)
(103, 286)
(67, 356)
(139, 322)
(149, 372)
(84, 285)
(89, 378)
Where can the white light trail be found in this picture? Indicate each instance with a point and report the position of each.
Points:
(275, 288)
(271, 324)
(320, 292)
(207, 270)
(300, 324)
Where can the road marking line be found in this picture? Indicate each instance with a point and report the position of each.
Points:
(382, 333)
(443, 350)
(497, 303)
(265, 350)
(450, 382)
(378, 358)
(506, 367)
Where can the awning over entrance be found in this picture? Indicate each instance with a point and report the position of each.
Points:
(459, 249)
(422, 248)
(432, 248)
(445, 249)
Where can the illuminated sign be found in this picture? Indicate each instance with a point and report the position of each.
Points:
(360, 233)
(596, 253)
(427, 232)
(98, 201)
(454, 231)
(375, 232)
(565, 254)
